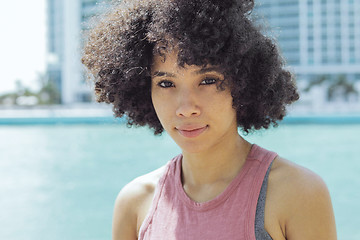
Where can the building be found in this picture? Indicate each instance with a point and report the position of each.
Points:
(66, 20)
(320, 40)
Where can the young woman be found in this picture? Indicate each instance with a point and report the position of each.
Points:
(201, 70)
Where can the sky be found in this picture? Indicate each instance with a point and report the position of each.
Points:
(22, 43)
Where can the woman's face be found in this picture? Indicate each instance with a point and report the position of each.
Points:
(189, 105)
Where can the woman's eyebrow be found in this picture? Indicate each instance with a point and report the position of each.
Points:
(162, 74)
(198, 72)
(208, 69)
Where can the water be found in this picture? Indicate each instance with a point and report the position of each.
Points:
(60, 181)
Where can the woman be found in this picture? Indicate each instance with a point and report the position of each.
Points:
(199, 70)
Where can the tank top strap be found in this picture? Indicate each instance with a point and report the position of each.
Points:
(263, 160)
(260, 231)
(169, 172)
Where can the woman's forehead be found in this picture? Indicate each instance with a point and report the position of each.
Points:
(168, 60)
(169, 63)
(165, 59)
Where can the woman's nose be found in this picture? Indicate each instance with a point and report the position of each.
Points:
(187, 104)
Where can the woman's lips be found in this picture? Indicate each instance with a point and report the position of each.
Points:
(191, 132)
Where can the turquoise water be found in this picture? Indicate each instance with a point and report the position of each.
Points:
(60, 181)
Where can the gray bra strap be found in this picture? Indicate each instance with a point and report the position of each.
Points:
(260, 232)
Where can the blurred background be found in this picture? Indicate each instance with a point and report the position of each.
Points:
(64, 158)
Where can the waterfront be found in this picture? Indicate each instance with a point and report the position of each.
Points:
(60, 181)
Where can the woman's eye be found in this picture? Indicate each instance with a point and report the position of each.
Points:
(208, 81)
(166, 84)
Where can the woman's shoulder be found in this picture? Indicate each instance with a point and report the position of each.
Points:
(295, 182)
(139, 189)
(300, 202)
(133, 203)
(288, 175)
(143, 185)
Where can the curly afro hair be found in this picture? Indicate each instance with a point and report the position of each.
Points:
(120, 48)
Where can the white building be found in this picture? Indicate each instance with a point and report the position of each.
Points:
(66, 20)
(319, 38)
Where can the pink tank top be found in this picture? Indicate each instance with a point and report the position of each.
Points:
(231, 215)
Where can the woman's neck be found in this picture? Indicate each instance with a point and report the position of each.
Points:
(219, 164)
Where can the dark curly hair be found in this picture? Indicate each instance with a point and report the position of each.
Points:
(120, 48)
